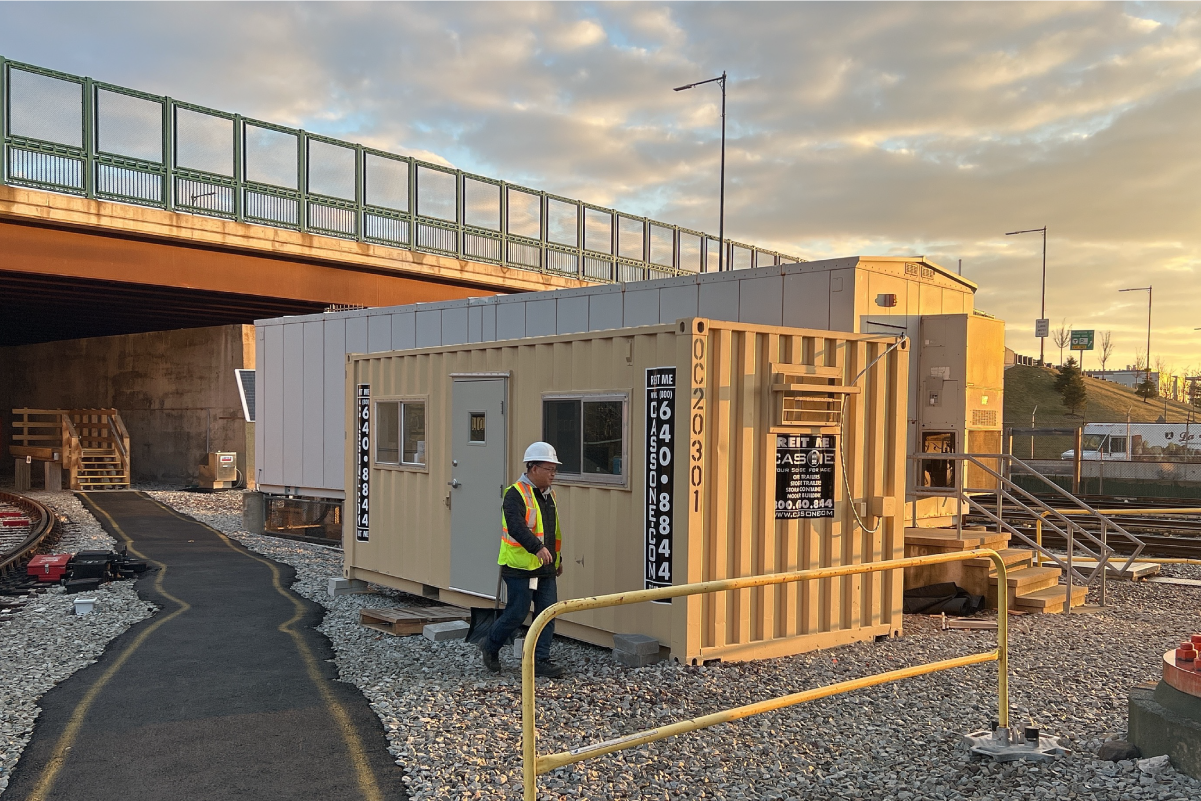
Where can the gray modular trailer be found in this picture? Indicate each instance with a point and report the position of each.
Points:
(301, 361)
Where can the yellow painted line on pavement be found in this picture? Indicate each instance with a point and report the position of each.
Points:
(354, 744)
(66, 740)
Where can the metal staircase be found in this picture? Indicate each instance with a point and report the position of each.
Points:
(983, 486)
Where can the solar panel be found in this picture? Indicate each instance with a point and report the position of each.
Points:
(246, 391)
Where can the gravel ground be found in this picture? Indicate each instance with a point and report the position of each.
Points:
(450, 723)
(45, 642)
(455, 728)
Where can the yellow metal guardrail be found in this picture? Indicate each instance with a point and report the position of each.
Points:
(534, 765)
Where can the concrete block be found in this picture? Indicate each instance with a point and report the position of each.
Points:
(1164, 720)
(638, 644)
(518, 646)
(253, 512)
(345, 586)
(636, 660)
(441, 632)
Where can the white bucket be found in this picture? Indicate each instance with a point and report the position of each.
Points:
(84, 605)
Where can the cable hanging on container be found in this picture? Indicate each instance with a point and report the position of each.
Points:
(842, 444)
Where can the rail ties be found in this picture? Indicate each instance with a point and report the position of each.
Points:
(24, 524)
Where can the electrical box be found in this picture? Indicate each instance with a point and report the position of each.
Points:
(961, 380)
(219, 470)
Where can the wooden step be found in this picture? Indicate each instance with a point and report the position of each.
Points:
(948, 539)
(1050, 600)
(1029, 579)
(1014, 559)
(1023, 581)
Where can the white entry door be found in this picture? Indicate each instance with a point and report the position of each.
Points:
(479, 460)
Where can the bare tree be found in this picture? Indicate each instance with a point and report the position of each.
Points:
(1161, 369)
(1106, 350)
(1061, 337)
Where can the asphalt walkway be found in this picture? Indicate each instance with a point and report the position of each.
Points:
(226, 692)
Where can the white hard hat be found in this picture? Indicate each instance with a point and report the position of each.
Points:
(541, 452)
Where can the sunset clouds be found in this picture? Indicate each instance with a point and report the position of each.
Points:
(854, 128)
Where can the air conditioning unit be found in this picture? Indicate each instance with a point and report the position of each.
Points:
(219, 470)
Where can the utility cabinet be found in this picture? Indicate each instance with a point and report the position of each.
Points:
(693, 451)
(961, 385)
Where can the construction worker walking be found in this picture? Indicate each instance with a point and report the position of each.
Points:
(530, 558)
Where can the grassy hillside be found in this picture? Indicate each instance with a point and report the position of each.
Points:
(1027, 387)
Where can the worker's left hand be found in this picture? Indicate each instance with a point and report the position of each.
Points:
(559, 572)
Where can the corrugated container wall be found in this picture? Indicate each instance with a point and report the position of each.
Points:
(747, 398)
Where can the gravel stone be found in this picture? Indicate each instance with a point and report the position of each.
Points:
(456, 728)
(45, 642)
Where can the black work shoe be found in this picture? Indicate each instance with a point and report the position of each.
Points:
(491, 660)
(547, 669)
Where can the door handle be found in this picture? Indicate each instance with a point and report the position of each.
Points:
(455, 483)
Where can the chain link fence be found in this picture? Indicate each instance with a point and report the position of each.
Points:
(64, 133)
(1136, 479)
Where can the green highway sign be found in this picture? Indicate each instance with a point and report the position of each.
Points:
(1082, 340)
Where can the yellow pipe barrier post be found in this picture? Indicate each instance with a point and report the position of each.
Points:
(534, 765)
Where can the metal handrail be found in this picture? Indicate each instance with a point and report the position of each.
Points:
(534, 765)
(1061, 515)
(1082, 508)
(1036, 543)
(1080, 505)
(975, 459)
(965, 496)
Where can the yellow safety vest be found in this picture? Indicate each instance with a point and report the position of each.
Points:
(512, 552)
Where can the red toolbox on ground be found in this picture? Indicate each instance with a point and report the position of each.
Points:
(48, 567)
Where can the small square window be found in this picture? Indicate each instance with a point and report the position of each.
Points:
(400, 432)
(387, 433)
(414, 433)
(589, 434)
(478, 432)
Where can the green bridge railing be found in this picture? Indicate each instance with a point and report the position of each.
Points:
(64, 133)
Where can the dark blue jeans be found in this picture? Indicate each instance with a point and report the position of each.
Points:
(518, 606)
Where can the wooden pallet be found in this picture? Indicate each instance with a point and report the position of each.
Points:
(409, 620)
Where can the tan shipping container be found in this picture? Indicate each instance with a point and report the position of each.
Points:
(764, 428)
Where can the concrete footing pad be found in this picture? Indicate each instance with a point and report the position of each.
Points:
(1164, 720)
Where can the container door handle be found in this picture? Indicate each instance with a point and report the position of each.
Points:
(455, 483)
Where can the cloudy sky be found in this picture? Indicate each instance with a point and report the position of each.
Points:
(854, 128)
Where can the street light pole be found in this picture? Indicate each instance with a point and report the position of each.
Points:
(1146, 289)
(721, 203)
(1042, 315)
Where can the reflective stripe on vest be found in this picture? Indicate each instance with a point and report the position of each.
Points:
(533, 515)
(512, 552)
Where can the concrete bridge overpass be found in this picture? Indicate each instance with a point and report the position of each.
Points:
(75, 267)
(123, 212)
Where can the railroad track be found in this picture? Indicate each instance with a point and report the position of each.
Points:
(1157, 545)
(1165, 535)
(1141, 526)
(25, 526)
